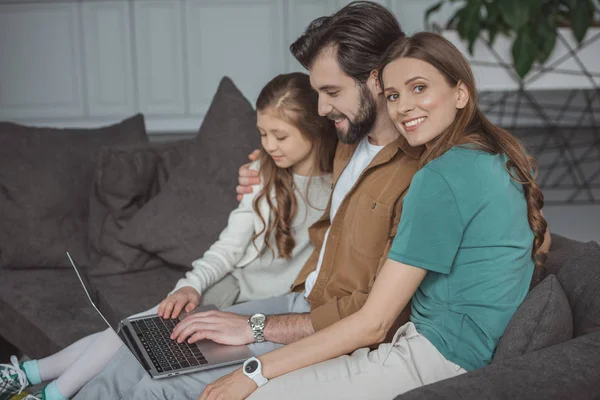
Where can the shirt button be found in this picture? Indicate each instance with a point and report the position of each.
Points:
(373, 205)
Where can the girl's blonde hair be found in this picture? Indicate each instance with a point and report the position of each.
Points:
(291, 98)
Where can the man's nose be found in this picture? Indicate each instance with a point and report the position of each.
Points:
(324, 107)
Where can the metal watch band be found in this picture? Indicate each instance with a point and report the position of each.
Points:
(259, 336)
(258, 328)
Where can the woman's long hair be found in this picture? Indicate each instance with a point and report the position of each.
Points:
(291, 98)
(470, 126)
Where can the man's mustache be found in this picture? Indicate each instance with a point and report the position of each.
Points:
(333, 117)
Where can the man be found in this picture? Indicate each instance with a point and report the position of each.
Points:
(372, 170)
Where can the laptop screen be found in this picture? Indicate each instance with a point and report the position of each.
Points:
(95, 298)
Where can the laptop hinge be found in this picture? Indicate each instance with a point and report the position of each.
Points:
(125, 334)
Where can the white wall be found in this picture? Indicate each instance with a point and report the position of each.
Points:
(92, 62)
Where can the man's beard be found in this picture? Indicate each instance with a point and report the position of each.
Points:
(364, 121)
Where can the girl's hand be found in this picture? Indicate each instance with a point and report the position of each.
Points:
(186, 298)
(234, 386)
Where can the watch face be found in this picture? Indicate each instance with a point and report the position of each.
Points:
(258, 319)
(251, 367)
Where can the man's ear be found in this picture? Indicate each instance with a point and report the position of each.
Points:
(462, 95)
(375, 77)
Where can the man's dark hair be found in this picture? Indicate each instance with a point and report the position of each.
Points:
(360, 32)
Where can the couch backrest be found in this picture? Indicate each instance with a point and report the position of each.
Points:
(562, 250)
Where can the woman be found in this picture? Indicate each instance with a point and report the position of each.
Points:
(464, 252)
(262, 249)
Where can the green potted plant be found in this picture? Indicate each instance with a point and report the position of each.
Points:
(532, 26)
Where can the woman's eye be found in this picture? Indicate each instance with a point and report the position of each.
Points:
(282, 138)
(332, 94)
(419, 88)
(392, 97)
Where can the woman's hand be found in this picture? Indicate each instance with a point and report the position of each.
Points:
(185, 298)
(248, 177)
(233, 386)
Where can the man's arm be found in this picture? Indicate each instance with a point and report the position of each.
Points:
(287, 328)
(233, 329)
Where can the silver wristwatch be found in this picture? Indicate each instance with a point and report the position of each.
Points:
(257, 323)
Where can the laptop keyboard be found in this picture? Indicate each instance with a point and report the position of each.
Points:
(166, 354)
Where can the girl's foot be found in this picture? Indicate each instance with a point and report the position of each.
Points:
(12, 379)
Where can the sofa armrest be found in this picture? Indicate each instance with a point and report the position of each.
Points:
(570, 370)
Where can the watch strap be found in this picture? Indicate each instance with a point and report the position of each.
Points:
(257, 375)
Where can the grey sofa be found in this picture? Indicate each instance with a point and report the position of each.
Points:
(138, 213)
(133, 213)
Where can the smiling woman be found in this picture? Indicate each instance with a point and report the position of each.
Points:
(420, 102)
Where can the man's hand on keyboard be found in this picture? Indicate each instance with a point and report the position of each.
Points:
(183, 299)
(218, 326)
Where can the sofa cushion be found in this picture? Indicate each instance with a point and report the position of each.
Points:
(42, 310)
(132, 293)
(192, 208)
(580, 278)
(544, 319)
(125, 179)
(45, 180)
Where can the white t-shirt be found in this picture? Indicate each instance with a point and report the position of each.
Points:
(362, 157)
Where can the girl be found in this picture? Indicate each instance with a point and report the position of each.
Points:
(463, 254)
(262, 249)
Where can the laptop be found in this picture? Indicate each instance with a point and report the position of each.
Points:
(148, 339)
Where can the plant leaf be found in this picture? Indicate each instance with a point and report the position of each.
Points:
(469, 24)
(492, 33)
(546, 35)
(523, 52)
(462, 26)
(494, 21)
(433, 9)
(582, 13)
(515, 12)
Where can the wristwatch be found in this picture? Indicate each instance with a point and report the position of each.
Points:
(253, 370)
(257, 324)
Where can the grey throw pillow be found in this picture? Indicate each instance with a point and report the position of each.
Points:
(126, 178)
(580, 278)
(544, 319)
(185, 218)
(45, 180)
